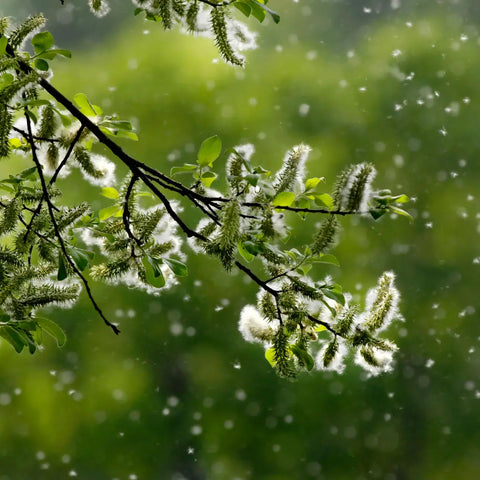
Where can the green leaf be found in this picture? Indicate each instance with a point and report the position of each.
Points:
(80, 258)
(257, 11)
(208, 178)
(275, 16)
(334, 292)
(376, 214)
(119, 132)
(13, 337)
(243, 7)
(327, 258)
(153, 272)
(41, 65)
(28, 173)
(324, 199)
(85, 106)
(110, 192)
(42, 41)
(305, 358)
(62, 267)
(60, 51)
(311, 183)
(3, 45)
(284, 199)
(244, 252)
(254, 247)
(178, 268)
(6, 79)
(270, 356)
(209, 151)
(400, 211)
(401, 198)
(114, 210)
(302, 202)
(186, 168)
(53, 329)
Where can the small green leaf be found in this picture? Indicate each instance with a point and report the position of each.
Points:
(244, 252)
(254, 247)
(327, 258)
(209, 151)
(208, 178)
(61, 51)
(80, 258)
(110, 192)
(401, 198)
(270, 356)
(28, 173)
(257, 11)
(178, 268)
(62, 267)
(186, 168)
(303, 356)
(243, 7)
(275, 16)
(400, 211)
(53, 329)
(324, 199)
(41, 65)
(42, 41)
(3, 45)
(376, 214)
(13, 337)
(85, 106)
(114, 210)
(311, 183)
(334, 292)
(284, 199)
(153, 272)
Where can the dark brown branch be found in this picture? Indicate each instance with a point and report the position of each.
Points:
(320, 322)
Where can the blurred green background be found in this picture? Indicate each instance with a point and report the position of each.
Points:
(179, 394)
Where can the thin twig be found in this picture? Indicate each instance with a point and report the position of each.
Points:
(51, 212)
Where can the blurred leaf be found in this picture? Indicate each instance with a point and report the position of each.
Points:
(3, 45)
(13, 337)
(305, 358)
(244, 252)
(110, 192)
(53, 329)
(400, 211)
(275, 16)
(177, 267)
(334, 292)
(186, 168)
(62, 267)
(270, 356)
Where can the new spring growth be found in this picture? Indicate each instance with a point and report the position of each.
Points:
(292, 170)
(353, 189)
(382, 303)
(254, 327)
